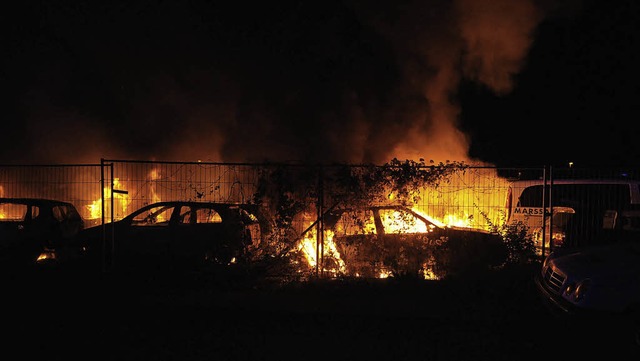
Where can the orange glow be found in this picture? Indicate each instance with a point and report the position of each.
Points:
(333, 264)
(462, 203)
(308, 244)
(154, 175)
(47, 254)
(458, 203)
(384, 274)
(121, 202)
(12, 212)
(2, 215)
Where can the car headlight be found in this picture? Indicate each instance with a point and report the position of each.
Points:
(581, 289)
(569, 288)
(577, 291)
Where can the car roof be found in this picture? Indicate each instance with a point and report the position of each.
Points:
(34, 201)
(219, 206)
(528, 182)
(519, 186)
(393, 206)
(198, 203)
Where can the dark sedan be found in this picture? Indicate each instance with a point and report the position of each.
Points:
(174, 236)
(597, 284)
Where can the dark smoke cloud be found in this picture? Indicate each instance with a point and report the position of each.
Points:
(344, 81)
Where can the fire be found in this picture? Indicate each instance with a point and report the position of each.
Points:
(384, 274)
(308, 245)
(458, 203)
(12, 212)
(121, 199)
(461, 203)
(154, 175)
(454, 220)
(333, 263)
(396, 223)
(121, 202)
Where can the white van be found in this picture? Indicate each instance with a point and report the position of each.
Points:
(587, 197)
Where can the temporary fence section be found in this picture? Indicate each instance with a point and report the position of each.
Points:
(79, 185)
(301, 196)
(473, 197)
(130, 185)
(576, 207)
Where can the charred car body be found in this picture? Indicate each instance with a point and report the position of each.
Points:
(37, 231)
(384, 241)
(174, 236)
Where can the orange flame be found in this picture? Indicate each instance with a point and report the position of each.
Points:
(308, 246)
(120, 200)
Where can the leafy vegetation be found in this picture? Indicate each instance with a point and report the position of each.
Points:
(292, 194)
(519, 243)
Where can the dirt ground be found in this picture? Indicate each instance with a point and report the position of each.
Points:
(497, 316)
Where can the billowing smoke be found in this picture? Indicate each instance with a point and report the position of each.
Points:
(336, 81)
(438, 43)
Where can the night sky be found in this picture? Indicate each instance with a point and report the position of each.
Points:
(497, 82)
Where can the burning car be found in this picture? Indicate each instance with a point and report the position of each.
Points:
(37, 231)
(382, 241)
(174, 236)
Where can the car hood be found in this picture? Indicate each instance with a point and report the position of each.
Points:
(96, 231)
(621, 260)
(470, 230)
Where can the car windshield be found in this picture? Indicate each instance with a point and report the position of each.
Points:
(154, 215)
(400, 221)
(393, 220)
(433, 221)
(355, 222)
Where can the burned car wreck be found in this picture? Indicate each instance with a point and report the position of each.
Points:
(173, 237)
(37, 232)
(395, 241)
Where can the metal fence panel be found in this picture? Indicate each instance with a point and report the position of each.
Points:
(137, 183)
(77, 184)
(476, 197)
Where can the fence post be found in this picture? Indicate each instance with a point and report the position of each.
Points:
(320, 225)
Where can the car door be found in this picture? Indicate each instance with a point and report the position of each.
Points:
(194, 232)
(145, 238)
(20, 237)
